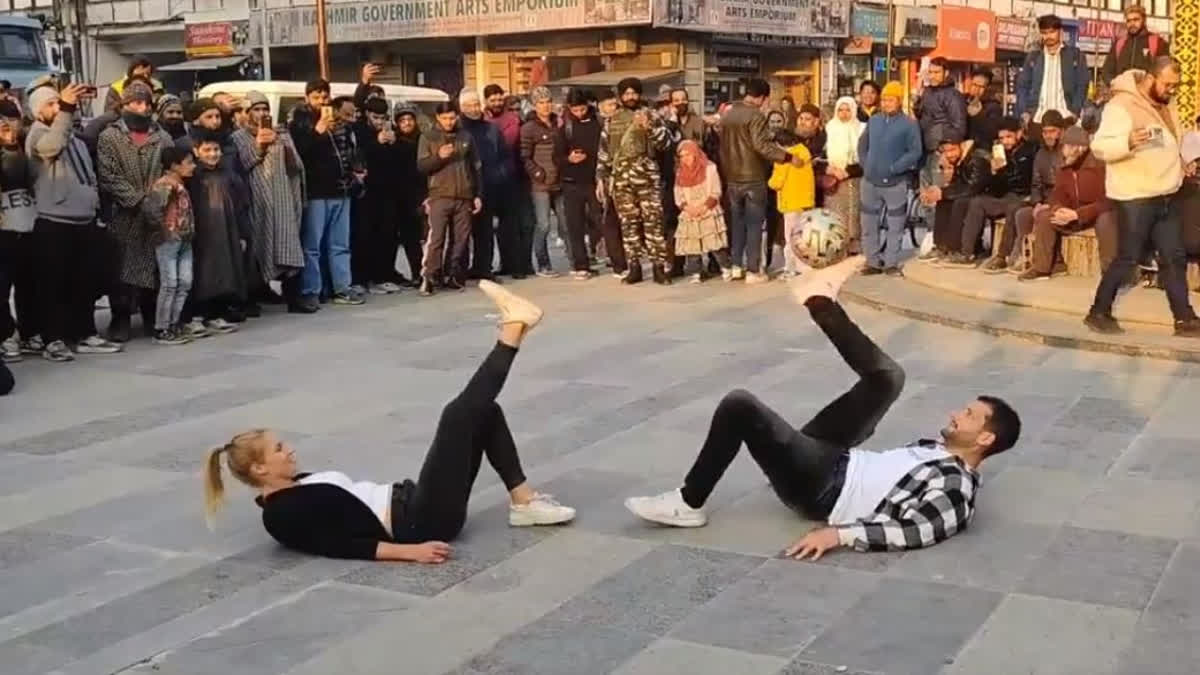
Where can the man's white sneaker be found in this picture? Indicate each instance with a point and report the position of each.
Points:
(541, 510)
(390, 287)
(667, 509)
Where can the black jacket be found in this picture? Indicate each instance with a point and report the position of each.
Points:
(746, 149)
(413, 186)
(323, 520)
(942, 114)
(1045, 168)
(456, 177)
(971, 176)
(583, 134)
(325, 171)
(1135, 52)
(495, 167)
(1017, 176)
(984, 125)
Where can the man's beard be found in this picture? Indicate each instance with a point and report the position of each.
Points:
(173, 127)
(496, 110)
(682, 110)
(631, 104)
(1161, 99)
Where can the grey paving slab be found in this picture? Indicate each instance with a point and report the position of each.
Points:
(106, 566)
(914, 627)
(1101, 568)
(778, 609)
(1042, 636)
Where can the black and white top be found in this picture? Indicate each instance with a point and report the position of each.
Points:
(327, 514)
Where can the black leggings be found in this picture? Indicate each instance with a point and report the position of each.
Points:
(471, 426)
(800, 463)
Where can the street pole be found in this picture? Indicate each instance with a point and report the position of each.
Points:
(262, 39)
(322, 42)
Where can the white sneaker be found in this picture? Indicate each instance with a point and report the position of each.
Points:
(390, 287)
(220, 325)
(753, 278)
(726, 274)
(10, 350)
(737, 273)
(359, 289)
(696, 279)
(94, 344)
(667, 509)
(378, 289)
(196, 330)
(541, 510)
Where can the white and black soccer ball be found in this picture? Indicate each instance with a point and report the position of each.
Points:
(819, 237)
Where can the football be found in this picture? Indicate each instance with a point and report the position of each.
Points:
(819, 237)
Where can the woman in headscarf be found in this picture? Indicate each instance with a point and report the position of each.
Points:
(844, 171)
(701, 227)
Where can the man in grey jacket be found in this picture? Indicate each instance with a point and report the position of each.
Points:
(68, 242)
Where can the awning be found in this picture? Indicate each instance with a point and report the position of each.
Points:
(206, 64)
(610, 78)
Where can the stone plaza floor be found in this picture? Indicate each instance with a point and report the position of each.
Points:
(1084, 555)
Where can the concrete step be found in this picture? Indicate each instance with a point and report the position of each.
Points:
(915, 300)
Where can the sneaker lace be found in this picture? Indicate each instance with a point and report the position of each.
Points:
(543, 498)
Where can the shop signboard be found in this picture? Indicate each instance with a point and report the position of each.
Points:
(966, 34)
(916, 27)
(1097, 36)
(398, 19)
(777, 40)
(208, 39)
(1013, 34)
(869, 21)
(810, 18)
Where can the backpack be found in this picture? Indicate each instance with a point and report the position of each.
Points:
(1154, 43)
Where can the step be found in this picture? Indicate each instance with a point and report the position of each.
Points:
(914, 300)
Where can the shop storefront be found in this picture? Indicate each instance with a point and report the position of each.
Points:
(791, 45)
(447, 44)
(914, 34)
(1014, 39)
(864, 55)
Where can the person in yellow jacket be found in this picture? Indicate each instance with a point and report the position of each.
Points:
(796, 192)
(140, 65)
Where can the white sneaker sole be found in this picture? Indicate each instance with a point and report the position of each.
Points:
(697, 520)
(530, 519)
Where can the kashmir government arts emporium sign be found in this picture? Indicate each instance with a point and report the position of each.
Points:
(384, 20)
(809, 18)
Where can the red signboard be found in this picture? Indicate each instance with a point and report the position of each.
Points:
(214, 38)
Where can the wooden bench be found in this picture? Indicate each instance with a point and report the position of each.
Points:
(1081, 253)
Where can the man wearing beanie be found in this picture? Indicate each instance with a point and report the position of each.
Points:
(129, 163)
(1045, 170)
(169, 116)
(1077, 203)
(890, 150)
(540, 152)
(68, 243)
(1138, 140)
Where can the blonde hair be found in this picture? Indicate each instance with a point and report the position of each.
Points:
(241, 452)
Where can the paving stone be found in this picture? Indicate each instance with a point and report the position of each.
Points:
(653, 594)
(283, 635)
(1176, 601)
(1033, 495)
(674, 657)
(1121, 504)
(992, 553)
(95, 431)
(24, 545)
(899, 629)
(200, 365)
(1104, 414)
(1100, 568)
(778, 609)
(548, 648)
(1078, 451)
(801, 667)
(1160, 647)
(1041, 636)
(21, 658)
(1161, 458)
(88, 632)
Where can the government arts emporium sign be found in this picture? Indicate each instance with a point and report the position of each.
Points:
(399, 19)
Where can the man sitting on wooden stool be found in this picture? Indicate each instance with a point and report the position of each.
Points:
(1077, 203)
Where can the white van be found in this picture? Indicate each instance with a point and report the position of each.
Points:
(284, 95)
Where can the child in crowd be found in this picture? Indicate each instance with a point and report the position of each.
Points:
(168, 209)
(222, 232)
(701, 221)
(796, 192)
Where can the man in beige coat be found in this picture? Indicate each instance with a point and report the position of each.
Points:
(1138, 140)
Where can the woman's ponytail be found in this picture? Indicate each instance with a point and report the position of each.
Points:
(214, 487)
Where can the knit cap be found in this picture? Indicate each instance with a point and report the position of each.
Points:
(137, 91)
(894, 89)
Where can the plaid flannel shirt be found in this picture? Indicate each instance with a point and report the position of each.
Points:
(928, 505)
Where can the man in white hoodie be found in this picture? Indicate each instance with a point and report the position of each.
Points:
(1138, 140)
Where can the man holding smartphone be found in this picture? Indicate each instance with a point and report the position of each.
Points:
(325, 230)
(582, 209)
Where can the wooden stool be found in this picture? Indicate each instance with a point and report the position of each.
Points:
(1081, 253)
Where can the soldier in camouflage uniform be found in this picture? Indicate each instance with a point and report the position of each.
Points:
(626, 165)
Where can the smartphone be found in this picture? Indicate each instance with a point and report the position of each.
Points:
(1156, 133)
(327, 112)
(998, 153)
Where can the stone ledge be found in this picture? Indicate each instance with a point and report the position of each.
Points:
(1066, 295)
(1055, 329)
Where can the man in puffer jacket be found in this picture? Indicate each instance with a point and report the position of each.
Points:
(541, 148)
(1138, 141)
(497, 178)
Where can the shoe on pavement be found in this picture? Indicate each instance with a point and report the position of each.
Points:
(543, 509)
(826, 281)
(378, 289)
(1189, 328)
(10, 350)
(168, 336)
(57, 351)
(513, 308)
(426, 288)
(755, 278)
(994, 265)
(33, 345)
(195, 330)
(1032, 275)
(94, 344)
(737, 273)
(1103, 323)
(348, 298)
(221, 326)
(667, 509)
(390, 287)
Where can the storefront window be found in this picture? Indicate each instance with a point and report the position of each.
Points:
(852, 72)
